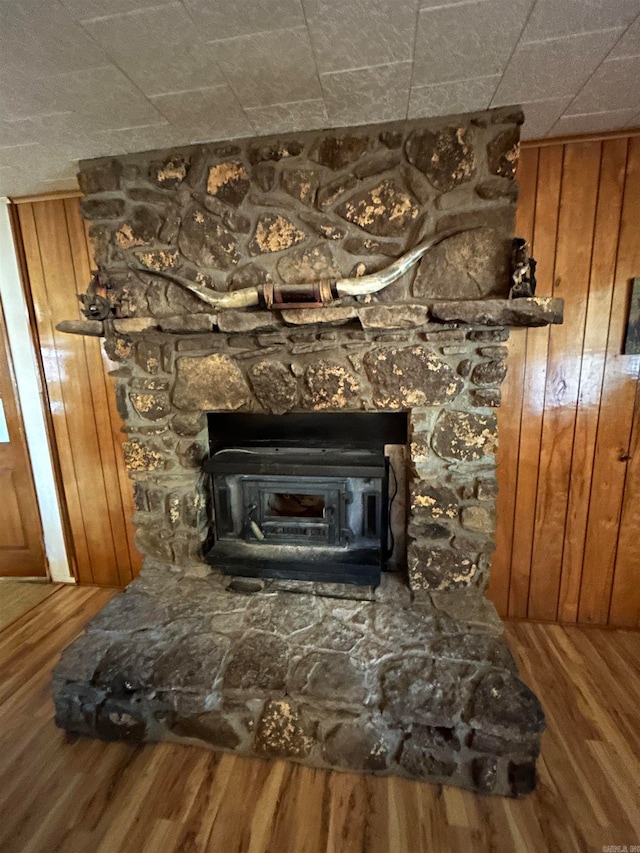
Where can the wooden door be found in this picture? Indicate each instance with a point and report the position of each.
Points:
(21, 541)
(86, 424)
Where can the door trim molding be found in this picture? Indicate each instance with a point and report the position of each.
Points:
(30, 394)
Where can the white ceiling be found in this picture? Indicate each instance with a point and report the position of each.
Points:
(87, 78)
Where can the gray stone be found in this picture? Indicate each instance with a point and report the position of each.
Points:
(157, 260)
(465, 437)
(209, 382)
(479, 519)
(386, 210)
(140, 228)
(338, 151)
(275, 388)
(249, 275)
(470, 265)
(485, 398)
(422, 754)
(210, 726)
(274, 233)
(308, 265)
(433, 501)
(420, 690)
(484, 335)
(483, 742)
(407, 316)
(142, 456)
(117, 720)
(111, 208)
(369, 246)
(229, 182)
(445, 157)
(391, 138)
(188, 424)
(302, 184)
(151, 407)
(496, 188)
(484, 774)
(331, 193)
(104, 177)
(246, 321)
(410, 376)
(169, 173)
(189, 324)
(528, 311)
(283, 732)
(275, 151)
(264, 174)
(503, 706)
(329, 676)
(324, 226)
(490, 372)
(330, 385)
(503, 153)
(470, 609)
(440, 568)
(193, 663)
(521, 776)
(206, 242)
(360, 746)
(258, 663)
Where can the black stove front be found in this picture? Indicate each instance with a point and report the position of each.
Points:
(304, 496)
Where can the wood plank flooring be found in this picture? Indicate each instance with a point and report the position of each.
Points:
(18, 597)
(63, 795)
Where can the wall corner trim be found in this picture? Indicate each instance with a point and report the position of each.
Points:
(31, 402)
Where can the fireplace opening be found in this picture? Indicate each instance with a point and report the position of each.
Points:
(304, 496)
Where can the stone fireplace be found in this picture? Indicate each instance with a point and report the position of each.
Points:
(314, 486)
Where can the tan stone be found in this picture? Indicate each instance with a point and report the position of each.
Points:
(211, 382)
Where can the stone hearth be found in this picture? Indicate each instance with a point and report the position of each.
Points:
(414, 677)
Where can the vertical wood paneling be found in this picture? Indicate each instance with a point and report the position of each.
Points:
(531, 407)
(578, 197)
(574, 551)
(85, 422)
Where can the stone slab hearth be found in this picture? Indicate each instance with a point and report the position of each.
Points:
(387, 682)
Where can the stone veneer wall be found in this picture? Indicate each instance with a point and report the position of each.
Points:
(302, 208)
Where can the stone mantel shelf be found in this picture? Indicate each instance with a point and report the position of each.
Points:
(524, 312)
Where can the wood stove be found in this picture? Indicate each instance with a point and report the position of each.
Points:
(302, 496)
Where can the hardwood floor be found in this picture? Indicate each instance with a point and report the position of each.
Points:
(73, 796)
(17, 597)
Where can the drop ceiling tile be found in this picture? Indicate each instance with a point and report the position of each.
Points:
(554, 18)
(462, 96)
(367, 95)
(280, 118)
(149, 138)
(466, 41)
(552, 69)
(270, 68)
(613, 86)
(222, 20)
(105, 95)
(629, 44)
(158, 49)
(83, 10)
(41, 38)
(202, 114)
(569, 125)
(360, 33)
(540, 116)
(18, 132)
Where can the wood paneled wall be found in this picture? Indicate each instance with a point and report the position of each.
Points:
(86, 423)
(568, 538)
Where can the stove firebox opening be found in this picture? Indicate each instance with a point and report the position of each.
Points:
(303, 496)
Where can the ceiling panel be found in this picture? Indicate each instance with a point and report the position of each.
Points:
(82, 78)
